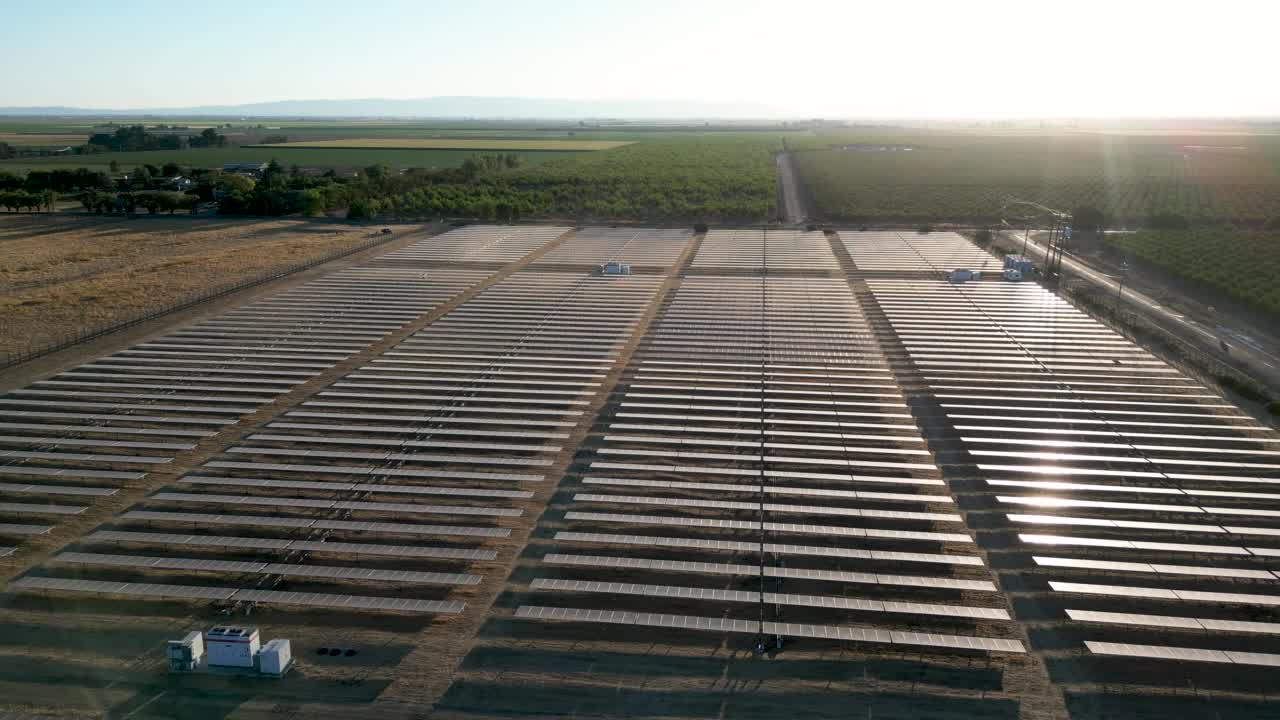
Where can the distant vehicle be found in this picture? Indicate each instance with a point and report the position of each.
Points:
(385, 231)
(962, 275)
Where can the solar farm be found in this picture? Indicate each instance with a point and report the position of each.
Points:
(766, 473)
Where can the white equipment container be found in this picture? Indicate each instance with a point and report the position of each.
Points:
(185, 654)
(961, 275)
(232, 646)
(275, 657)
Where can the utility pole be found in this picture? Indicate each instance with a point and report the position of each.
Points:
(1059, 234)
(1124, 271)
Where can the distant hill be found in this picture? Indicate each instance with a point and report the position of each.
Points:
(441, 107)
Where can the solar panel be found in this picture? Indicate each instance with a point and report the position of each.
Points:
(70, 457)
(19, 529)
(1164, 594)
(1161, 652)
(188, 592)
(743, 457)
(264, 568)
(362, 487)
(797, 528)
(769, 507)
(755, 475)
(771, 489)
(183, 539)
(388, 456)
(1152, 568)
(1131, 544)
(710, 624)
(386, 471)
(442, 553)
(280, 522)
(721, 595)
(56, 490)
(1168, 621)
(106, 429)
(780, 549)
(412, 529)
(343, 548)
(34, 509)
(107, 587)
(335, 504)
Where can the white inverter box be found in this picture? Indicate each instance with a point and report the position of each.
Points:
(186, 655)
(231, 646)
(275, 657)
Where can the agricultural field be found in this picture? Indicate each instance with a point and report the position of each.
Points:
(39, 140)
(453, 144)
(1242, 264)
(968, 178)
(62, 275)
(345, 145)
(722, 177)
(320, 158)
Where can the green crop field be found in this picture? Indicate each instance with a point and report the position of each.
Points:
(352, 144)
(497, 144)
(960, 177)
(1242, 264)
(720, 177)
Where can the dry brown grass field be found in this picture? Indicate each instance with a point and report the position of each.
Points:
(60, 275)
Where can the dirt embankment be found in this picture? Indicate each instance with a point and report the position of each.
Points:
(60, 275)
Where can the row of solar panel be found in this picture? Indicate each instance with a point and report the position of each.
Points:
(1099, 437)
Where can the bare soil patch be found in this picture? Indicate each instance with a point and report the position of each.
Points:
(60, 275)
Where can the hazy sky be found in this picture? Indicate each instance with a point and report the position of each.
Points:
(804, 57)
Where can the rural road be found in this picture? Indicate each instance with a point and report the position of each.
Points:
(1264, 365)
(790, 200)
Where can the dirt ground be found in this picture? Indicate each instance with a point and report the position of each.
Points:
(60, 275)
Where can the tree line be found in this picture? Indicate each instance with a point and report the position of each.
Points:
(134, 138)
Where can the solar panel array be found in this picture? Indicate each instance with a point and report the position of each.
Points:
(765, 400)
(758, 470)
(1142, 502)
(416, 463)
(899, 251)
(86, 432)
(756, 248)
(639, 247)
(474, 244)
